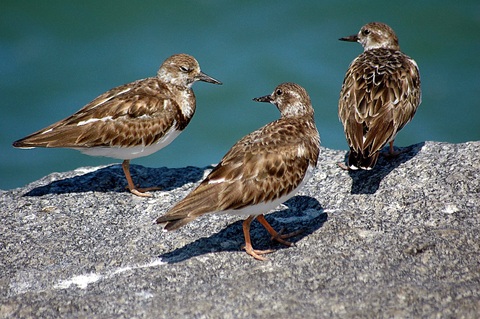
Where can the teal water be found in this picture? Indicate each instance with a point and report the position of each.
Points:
(56, 56)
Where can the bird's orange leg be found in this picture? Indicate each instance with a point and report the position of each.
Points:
(277, 236)
(142, 192)
(248, 243)
(391, 151)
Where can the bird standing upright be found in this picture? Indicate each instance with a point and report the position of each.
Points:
(130, 121)
(261, 171)
(379, 96)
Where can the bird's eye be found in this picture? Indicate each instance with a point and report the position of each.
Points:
(279, 92)
(366, 32)
(184, 69)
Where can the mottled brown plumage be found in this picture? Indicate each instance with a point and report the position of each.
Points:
(261, 171)
(132, 120)
(380, 94)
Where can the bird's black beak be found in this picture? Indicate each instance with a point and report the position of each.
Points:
(351, 38)
(206, 78)
(266, 98)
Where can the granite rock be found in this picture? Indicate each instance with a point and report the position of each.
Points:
(401, 240)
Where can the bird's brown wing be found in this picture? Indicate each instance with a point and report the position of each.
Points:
(261, 167)
(378, 99)
(136, 113)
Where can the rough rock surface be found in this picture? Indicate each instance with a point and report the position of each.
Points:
(400, 241)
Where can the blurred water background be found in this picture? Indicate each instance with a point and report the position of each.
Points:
(56, 56)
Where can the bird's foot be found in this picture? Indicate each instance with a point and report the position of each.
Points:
(279, 237)
(257, 254)
(142, 192)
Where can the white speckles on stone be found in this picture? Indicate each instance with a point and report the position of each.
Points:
(81, 281)
(451, 208)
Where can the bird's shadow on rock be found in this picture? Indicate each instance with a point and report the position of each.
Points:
(304, 213)
(112, 179)
(368, 182)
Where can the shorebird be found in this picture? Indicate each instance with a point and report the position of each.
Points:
(380, 95)
(132, 120)
(261, 171)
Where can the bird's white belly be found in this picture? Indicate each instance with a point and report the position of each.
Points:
(128, 153)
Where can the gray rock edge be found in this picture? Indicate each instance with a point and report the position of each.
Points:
(399, 241)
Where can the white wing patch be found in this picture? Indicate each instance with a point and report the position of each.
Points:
(104, 119)
(222, 179)
(111, 97)
(301, 150)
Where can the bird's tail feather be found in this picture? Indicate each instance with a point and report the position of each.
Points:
(363, 161)
(198, 202)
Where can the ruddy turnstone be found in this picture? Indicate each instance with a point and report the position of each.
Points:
(261, 171)
(130, 121)
(380, 95)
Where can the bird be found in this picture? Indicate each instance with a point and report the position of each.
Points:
(132, 120)
(262, 170)
(380, 95)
